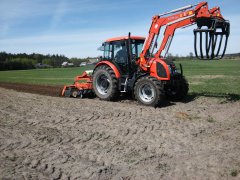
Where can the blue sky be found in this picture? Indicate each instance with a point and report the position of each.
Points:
(76, 28)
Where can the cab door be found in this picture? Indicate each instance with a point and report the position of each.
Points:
(120, 56)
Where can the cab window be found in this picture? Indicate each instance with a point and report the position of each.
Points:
(107, 54)
(120, 52)
(137, 46)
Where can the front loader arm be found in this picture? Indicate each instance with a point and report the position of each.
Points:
(169, 33)
(186, 16)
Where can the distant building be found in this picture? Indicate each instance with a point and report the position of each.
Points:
(67, 64)
(232, 56)
(83, 64)
(64, 64)
(92, 61)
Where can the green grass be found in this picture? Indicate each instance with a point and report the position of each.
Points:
(214, 78)
(217, 78)
(54, 76)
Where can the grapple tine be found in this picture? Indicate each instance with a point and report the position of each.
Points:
(209, 43)
(219, 46)
(195, 44)
(225, 33)
(201, 51)
(212, 46)
(225, 47)
(207, 46)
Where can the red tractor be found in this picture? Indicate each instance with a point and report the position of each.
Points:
(133, 64)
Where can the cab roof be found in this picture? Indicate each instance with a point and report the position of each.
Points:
(124, 38)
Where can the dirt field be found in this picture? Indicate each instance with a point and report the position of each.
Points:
(46, 137)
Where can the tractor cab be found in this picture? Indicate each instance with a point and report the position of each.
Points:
(122, 52)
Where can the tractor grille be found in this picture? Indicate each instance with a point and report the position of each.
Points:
(161, 72)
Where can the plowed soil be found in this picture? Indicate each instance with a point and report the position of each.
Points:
(30, 88)
(47, 137)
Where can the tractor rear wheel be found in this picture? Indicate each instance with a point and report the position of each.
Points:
(148, 91)
(105, 83)
(177, 92)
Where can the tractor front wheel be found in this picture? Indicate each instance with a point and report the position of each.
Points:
(148, 91)
(105, 83)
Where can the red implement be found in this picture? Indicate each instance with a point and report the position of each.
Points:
(82, 86)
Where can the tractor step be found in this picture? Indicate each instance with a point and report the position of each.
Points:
(124, 85)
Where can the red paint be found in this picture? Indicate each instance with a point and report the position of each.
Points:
(124, 38)
(111, 65)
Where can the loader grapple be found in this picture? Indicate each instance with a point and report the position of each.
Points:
(211, 38)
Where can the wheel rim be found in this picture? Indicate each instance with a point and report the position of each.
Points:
(74, 94)
(102, 84)
(146, 93)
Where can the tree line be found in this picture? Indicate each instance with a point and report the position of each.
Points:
(21, 61)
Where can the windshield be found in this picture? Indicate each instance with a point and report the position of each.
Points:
(110, 49)
(137, 46)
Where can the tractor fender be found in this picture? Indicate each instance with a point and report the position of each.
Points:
(111, 65)
(132, 84)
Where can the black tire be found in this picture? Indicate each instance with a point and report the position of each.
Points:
(105, 83)
(149, 91)
(178, 92)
